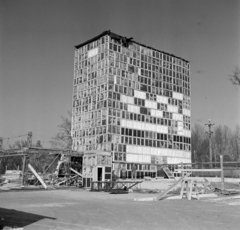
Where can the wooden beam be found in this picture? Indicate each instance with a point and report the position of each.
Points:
(36, 175)
(13, 155)
(23, 170)
(173, 186)
(76, 172)
(198, 170)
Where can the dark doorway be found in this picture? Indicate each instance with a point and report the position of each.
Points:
(99, 174)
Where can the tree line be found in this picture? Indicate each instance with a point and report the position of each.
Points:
(225, 141)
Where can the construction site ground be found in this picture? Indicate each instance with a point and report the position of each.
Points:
(81, 209)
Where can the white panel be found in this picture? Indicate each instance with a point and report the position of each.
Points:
(136, 109)
(175, 116)
(175, 109)
(128, 148)
(158, 128)
(178, 96)
(130, 100)
(162, 99)
(151, 104)
(146, 159)
(124, 98)
(169, 108)
(165, 129)
(147, 126)
(180, 125)
(175, 95)
(178, 117)
(139, 71)
(139, 94)
(130, 108)
(154, 128)
(153, 112)
(136, 125)
(149, 150)
(123, 122)
(154, 105)
(154, 151)
(92, 52)
(139, 149)
(159, 113)
(147, 104)
(186, 112)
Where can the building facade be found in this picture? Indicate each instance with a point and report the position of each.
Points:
(131, 100)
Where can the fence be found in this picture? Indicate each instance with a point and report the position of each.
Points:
(230, 169)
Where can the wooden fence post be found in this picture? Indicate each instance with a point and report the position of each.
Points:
(222, 173)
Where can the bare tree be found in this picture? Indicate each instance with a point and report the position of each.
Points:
(63, 138)
(199, 144)
(222, 142)
(235, 76)
(235, 143)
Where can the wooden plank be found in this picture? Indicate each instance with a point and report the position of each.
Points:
(173, 186)
(198, 170)
(36, 175)
(146, 199)
(12, 155)
(78, 173)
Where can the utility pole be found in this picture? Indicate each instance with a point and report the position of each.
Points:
(1, 143)
(210, 125)
(1, 147)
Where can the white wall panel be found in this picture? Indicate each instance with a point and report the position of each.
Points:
(136, 125)
(159, 113)
(151, 104)
(130, 100)
(139, 94)
(178, 96)
(124, 98)
(123, 122)
(153, 112)
(130, 108)
(186, 112)
(162, 99)
(92, 52)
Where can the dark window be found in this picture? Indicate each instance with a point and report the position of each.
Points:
(134, 133)
(146, 142)
(130, 132)
(139, 133)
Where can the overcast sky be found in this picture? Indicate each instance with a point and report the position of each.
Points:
(37, 40)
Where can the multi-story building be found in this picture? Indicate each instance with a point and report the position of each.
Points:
(131, 100)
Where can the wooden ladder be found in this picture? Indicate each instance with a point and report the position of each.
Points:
(168, 172)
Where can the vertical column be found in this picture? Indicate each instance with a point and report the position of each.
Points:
(222, 173)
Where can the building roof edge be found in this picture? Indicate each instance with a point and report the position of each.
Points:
(119, 37)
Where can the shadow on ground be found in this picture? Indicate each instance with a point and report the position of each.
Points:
(13, 218)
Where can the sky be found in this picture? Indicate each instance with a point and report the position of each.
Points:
(37, 40)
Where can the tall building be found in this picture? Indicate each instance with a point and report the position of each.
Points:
(131, 100)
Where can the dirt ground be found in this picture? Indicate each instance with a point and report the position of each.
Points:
(80, 209)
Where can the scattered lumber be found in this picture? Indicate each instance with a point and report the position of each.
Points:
(37, 176)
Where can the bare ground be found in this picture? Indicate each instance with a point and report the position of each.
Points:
(80, 209)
